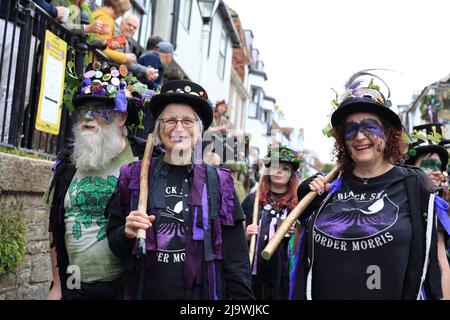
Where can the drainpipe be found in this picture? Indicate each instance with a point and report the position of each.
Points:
(175, 18)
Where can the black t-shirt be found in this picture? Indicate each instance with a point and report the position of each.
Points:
(362, 240)
(164, 279)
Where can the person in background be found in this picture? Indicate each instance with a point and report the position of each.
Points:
(158, 59)
(127, 29)
(277, 197)
(152, 41)
(111, 10)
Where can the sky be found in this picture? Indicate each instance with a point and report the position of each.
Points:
(309, 47)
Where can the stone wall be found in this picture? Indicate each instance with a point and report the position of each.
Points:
(23, 182)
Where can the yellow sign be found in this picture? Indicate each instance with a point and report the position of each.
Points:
(52, 84)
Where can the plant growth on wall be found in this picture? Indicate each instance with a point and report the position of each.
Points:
(12, 240)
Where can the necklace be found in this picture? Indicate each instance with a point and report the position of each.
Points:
(365, 180)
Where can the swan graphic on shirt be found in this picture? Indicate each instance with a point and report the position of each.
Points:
(351, 218)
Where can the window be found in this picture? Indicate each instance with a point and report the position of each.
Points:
(185, 13)
(252, 110)
(222, 54)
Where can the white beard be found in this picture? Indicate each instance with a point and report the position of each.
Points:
(94, 150)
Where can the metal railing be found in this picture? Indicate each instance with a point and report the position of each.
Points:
(22, 33)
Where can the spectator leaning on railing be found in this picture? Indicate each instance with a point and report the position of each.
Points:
(73, 23)
(111, 10)
(127, 29)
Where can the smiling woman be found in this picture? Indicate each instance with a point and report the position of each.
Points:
(195, 240)
(372, 215)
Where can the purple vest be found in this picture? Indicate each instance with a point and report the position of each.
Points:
(211, 199)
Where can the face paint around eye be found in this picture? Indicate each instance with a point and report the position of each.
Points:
(367, 127)
(430, 165)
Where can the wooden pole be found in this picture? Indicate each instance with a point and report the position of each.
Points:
(292, 218)
(255, 220)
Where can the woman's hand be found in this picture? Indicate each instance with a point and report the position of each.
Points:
(319, 186)
(251, 230)
(137, 220)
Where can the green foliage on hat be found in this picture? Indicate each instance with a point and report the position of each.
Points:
(72, 85)
(422, 135)
(282, 154)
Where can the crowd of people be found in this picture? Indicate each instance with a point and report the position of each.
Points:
(377, 231)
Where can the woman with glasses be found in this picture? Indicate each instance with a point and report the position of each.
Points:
(372, 233)
(277, 197)
(196, 247)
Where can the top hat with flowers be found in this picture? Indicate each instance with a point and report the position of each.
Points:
(426, 139)
(361, 97)
(116, 88)
(187, 92)
(281, 153)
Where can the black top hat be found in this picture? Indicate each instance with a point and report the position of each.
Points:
(183, 91)
(426, 145)
(368, 98)
(116, 88)
(282, 153)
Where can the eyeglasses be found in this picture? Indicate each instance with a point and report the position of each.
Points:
(173, 122)
(90, 113)
(367, 127)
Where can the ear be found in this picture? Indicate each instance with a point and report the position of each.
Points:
(122, 118)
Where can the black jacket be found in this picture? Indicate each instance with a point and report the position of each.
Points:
(419, 192)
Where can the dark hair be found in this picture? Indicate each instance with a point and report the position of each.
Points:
(153, 41)
(395, 146)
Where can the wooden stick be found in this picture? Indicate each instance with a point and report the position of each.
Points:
(255, 220)
(143, 182)
(293, 216)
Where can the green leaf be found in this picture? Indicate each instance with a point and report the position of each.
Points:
(76, 230)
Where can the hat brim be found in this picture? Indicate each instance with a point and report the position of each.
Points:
(132, 108)
(294, 165)
(355, 106)
(440, 150)
(200, 105)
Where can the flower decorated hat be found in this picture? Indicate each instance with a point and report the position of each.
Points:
(116, 88)
(426, 139)
(362, 97)
(282, 153)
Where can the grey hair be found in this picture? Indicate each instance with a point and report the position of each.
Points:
(157, 138)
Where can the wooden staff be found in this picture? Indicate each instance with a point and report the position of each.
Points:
(255, 220)
(142, 206)
(143, 189)
(293, 216)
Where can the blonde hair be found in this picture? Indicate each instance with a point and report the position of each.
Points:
(119, 6)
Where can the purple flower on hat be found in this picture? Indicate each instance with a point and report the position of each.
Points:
(87, 82)
(121, 101)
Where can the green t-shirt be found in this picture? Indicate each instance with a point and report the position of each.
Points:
(85, 236)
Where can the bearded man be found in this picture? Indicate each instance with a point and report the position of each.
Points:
(85, 177)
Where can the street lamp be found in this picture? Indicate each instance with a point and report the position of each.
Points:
(206, 9)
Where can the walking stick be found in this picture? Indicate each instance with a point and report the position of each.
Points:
(293, 216)
(255, 221)
(142, 206)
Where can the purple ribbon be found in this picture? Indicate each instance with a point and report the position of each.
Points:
(336, 185)
(121, 101)
(442, 213)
